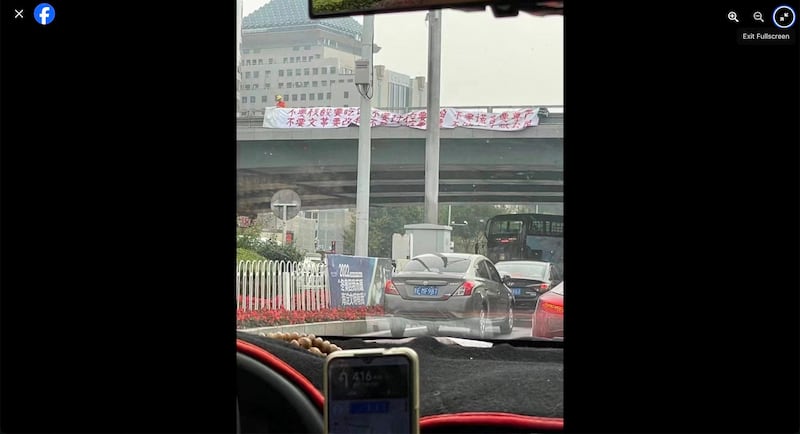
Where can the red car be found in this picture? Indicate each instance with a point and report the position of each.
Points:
(547, 320)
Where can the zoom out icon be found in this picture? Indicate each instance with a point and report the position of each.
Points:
(44, 14)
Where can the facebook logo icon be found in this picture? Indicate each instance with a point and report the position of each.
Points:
(44, 14)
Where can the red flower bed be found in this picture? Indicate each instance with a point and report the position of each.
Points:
(276, 317)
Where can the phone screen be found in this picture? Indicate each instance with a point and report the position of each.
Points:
(370, 395)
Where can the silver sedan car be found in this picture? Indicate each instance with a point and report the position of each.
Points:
(437, 288)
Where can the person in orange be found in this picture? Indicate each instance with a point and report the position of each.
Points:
(280, 102)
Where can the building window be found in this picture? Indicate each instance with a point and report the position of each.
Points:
(324, 70)
(302, 97)
(305, 58)
(260, 61)
(246, 51)
(324, 83)
(247, 74)
(319, 96)
(328, 95)
(255, 74)
(280, 85)
(307, 47)
(247, 87)
(291, 60)
(270, 61)
(306, 71)
(297, 71)
(317, 56)
(266, 85)
(294, 97)
(289, 72)
(349, 80)
(295, 48)
(252, 99)
(247, 62)
(280, 73)
(244, 100)
(333, 70)
(267, 72)
(255, 86)
(297, 59)
(314, 84)
(399, 96)
(346, 94)
(305, 84)
(315, 71)
(311, 97)
(289, 85)
(263, 98)
(284, 59)
(341, 80)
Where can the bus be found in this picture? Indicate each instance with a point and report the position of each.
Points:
(537, 237)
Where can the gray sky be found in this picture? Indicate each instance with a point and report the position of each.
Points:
(485, 60)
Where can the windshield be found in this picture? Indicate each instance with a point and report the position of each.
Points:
(342, 218)
(505, 228)
(531, 269)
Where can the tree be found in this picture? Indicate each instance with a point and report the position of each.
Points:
(386, 221)
(250, 238)
(383, 223)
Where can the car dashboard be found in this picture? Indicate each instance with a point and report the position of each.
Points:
(510, 387)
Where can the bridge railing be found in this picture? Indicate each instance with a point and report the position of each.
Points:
(281, 285)
(481, 108)
(552, 114)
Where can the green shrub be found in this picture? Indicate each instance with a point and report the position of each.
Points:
(247, 255)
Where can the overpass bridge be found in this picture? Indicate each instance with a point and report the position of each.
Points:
(476, 166)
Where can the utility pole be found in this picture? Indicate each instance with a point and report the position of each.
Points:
(364, 145)
(432, 138)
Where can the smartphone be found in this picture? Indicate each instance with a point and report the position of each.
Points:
(373, 390)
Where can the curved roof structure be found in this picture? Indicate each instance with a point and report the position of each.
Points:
(281, 14)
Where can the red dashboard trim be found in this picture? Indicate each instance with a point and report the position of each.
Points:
(494, 419)
(286, 370)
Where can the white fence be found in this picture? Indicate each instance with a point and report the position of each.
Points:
(281, 284)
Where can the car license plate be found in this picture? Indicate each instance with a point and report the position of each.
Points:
(517, 291)
(426, 290)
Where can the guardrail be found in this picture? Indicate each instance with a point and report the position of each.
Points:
(552, 111)
(281, 285)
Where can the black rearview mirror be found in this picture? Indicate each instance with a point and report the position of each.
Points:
(338, 8)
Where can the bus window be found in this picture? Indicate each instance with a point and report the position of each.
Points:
(505, 228)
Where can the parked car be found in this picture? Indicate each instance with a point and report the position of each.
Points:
(437, 288)
(529, 279)
(547, 320)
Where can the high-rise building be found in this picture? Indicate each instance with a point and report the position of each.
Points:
(311, 63)
(331, 224)
(238, 55)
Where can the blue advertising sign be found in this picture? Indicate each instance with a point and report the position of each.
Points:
(357, 280)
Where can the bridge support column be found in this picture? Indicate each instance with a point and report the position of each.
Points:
(432, 138)
(364, 148)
